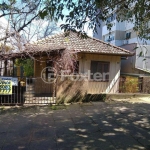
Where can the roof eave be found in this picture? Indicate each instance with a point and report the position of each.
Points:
(115, 54)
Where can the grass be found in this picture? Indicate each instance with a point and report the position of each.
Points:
(57, 107)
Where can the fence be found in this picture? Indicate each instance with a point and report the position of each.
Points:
(10, 93)
(39, 92)
(25, 91)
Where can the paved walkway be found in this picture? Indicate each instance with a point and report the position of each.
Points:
(93, 126)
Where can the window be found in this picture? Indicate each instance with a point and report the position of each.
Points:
(128, 35)
(100, 70)
(109, 37)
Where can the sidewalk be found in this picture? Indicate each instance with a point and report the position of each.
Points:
(87, 126)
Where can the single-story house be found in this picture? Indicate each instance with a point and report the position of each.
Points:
(97, 65)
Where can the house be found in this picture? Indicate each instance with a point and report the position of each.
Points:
(97, 66)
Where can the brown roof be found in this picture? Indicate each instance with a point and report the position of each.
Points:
(76, 43)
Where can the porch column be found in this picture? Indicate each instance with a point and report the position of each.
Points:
(13, 60)
(5, 67)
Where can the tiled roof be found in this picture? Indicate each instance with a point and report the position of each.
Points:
(77, 44)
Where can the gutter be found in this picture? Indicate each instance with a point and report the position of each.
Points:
(134, 74)
(100, 53)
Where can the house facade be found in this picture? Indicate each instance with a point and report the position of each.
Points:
(97, 70)
(69, 67)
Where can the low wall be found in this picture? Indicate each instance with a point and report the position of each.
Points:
(146, 85)
(68, 91)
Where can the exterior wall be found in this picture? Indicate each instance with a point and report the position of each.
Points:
(39, 85)
(120, 28)
(131, 64)
(143, 61)
(95, 87)
(76, 88)
(129, 25)
(120, 35)
(39, 65)
(146, 85)
(98, 35)
(73, 91)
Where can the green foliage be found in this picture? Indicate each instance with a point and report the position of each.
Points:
(130, 85)
(78, 13)
(28, 66)
(93, 11)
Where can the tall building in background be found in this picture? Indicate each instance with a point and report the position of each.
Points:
(123, 35)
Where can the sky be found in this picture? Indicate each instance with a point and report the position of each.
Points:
(89, 32)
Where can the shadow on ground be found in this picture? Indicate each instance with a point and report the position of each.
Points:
(93, 126)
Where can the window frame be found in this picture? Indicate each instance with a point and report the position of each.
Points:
(102, 63)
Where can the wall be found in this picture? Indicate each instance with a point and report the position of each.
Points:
(39, 65)
(133, 64)
(146, 85)
(39, 85)
(68, 90)
(143, 61)
(105, 87)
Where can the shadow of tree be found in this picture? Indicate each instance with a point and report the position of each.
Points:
(96, 126)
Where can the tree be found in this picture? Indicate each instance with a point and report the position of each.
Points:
(28, 66)
(19, 24)
(22, 24)
(77, 13)
(23, 17)
(93, 11)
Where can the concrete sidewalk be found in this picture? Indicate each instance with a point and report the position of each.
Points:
(88, 126)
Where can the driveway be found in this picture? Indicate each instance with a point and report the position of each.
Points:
(89, 126)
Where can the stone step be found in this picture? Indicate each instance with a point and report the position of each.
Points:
(35, 101)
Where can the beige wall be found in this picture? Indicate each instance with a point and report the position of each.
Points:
(133, 33)
(95, 87)
(119, 35)
(73, 91)
(39, 65)
(87, 86)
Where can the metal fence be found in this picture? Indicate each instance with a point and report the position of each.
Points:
(17, 93)
(39, 92)
(27, 91)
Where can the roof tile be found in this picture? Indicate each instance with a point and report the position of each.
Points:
(78, 44)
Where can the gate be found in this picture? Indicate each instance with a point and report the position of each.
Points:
(39, 92)
(25, 91)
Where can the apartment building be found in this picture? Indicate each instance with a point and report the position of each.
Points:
(123, 35)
